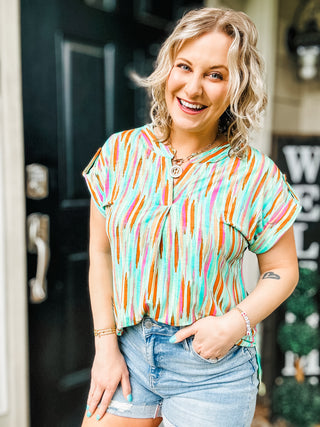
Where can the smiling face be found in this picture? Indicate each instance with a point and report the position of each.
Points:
(197, 86)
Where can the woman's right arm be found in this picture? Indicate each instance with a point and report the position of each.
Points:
(109, 367)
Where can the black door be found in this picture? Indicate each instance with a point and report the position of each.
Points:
(76, 55)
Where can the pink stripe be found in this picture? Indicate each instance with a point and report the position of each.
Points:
(214, 194)
(131, 209)
(148, 141)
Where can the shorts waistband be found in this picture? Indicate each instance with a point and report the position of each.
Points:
(151, 326)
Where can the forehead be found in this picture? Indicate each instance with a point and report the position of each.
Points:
(209, 46)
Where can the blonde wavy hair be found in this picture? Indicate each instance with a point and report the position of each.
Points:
(246, 74)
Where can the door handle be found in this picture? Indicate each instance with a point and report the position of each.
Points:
(38, 243)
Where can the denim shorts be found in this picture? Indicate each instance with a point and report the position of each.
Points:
(174, 382)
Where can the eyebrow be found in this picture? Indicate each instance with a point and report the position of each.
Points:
(213, 67)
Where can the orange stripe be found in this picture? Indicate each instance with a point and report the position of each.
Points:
(210, 183)
(248, 174)
(220, 236)
(234, 166)
(137, 173)
(205, 159)
(125, 291)
(127, 136)
(157, 312)
(192, 218)
(101, 158)
(184, 172)
(188, 298)
(126, 162)
(145, 307)
(115, 152)
(286, 221)
(273, 205)
(100, 183)
(118, 244)
(166, 193)
(236, 291)
(233, 208)
(182, 290)
(228, 201)
(200, 257)
(213, 309)
(138, 251)
(176, 251)
(151, 273)
(251, 222)
(115, 192)
(216, 283)
(137, 212)
(161, 247)
(259, 187)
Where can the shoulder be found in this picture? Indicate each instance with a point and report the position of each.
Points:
(119, 143)
(260, 164)
(127, 136)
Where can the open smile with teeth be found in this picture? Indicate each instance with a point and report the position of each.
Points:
(194, 107)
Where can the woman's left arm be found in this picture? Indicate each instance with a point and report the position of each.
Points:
(279, 275)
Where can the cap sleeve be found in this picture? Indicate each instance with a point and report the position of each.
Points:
(98, 176)
(280, 208)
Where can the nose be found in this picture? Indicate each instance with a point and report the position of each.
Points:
(193, 87)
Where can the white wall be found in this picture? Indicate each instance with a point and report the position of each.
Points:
(3, 313)
(13, 306)
(296, 103)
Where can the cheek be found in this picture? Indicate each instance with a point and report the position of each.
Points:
(174, 81)
(221, 98)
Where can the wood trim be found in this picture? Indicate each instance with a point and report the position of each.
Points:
(12, 207)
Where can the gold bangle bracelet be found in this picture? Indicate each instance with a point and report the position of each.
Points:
(101, 332)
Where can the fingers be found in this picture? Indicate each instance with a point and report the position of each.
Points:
(95, 395)
(183, 334)
(126, 386)
(104, 403)
(100, 395)
(90, 406)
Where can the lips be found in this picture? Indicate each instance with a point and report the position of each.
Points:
(191, 107)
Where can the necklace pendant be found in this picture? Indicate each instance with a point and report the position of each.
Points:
(175, 171)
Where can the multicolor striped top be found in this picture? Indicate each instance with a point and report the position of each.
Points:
(177, 247)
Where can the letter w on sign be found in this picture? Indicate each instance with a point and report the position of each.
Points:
(302, 160)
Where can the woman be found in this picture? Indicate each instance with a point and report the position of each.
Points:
(181, 200)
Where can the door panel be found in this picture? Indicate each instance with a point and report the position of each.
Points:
(86, 84)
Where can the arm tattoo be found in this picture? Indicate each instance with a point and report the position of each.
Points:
(271, 275)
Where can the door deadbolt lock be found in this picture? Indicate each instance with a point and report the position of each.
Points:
(37, 181)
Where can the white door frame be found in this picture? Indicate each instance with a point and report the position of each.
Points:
(13, 293)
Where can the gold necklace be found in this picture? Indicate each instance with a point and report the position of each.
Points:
(176, 169)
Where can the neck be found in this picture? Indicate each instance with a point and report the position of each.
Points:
(187, 143)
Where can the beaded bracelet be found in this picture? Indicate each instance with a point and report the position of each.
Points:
(101, 332)
(246, 319)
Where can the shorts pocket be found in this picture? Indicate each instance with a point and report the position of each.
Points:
(211, 361)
